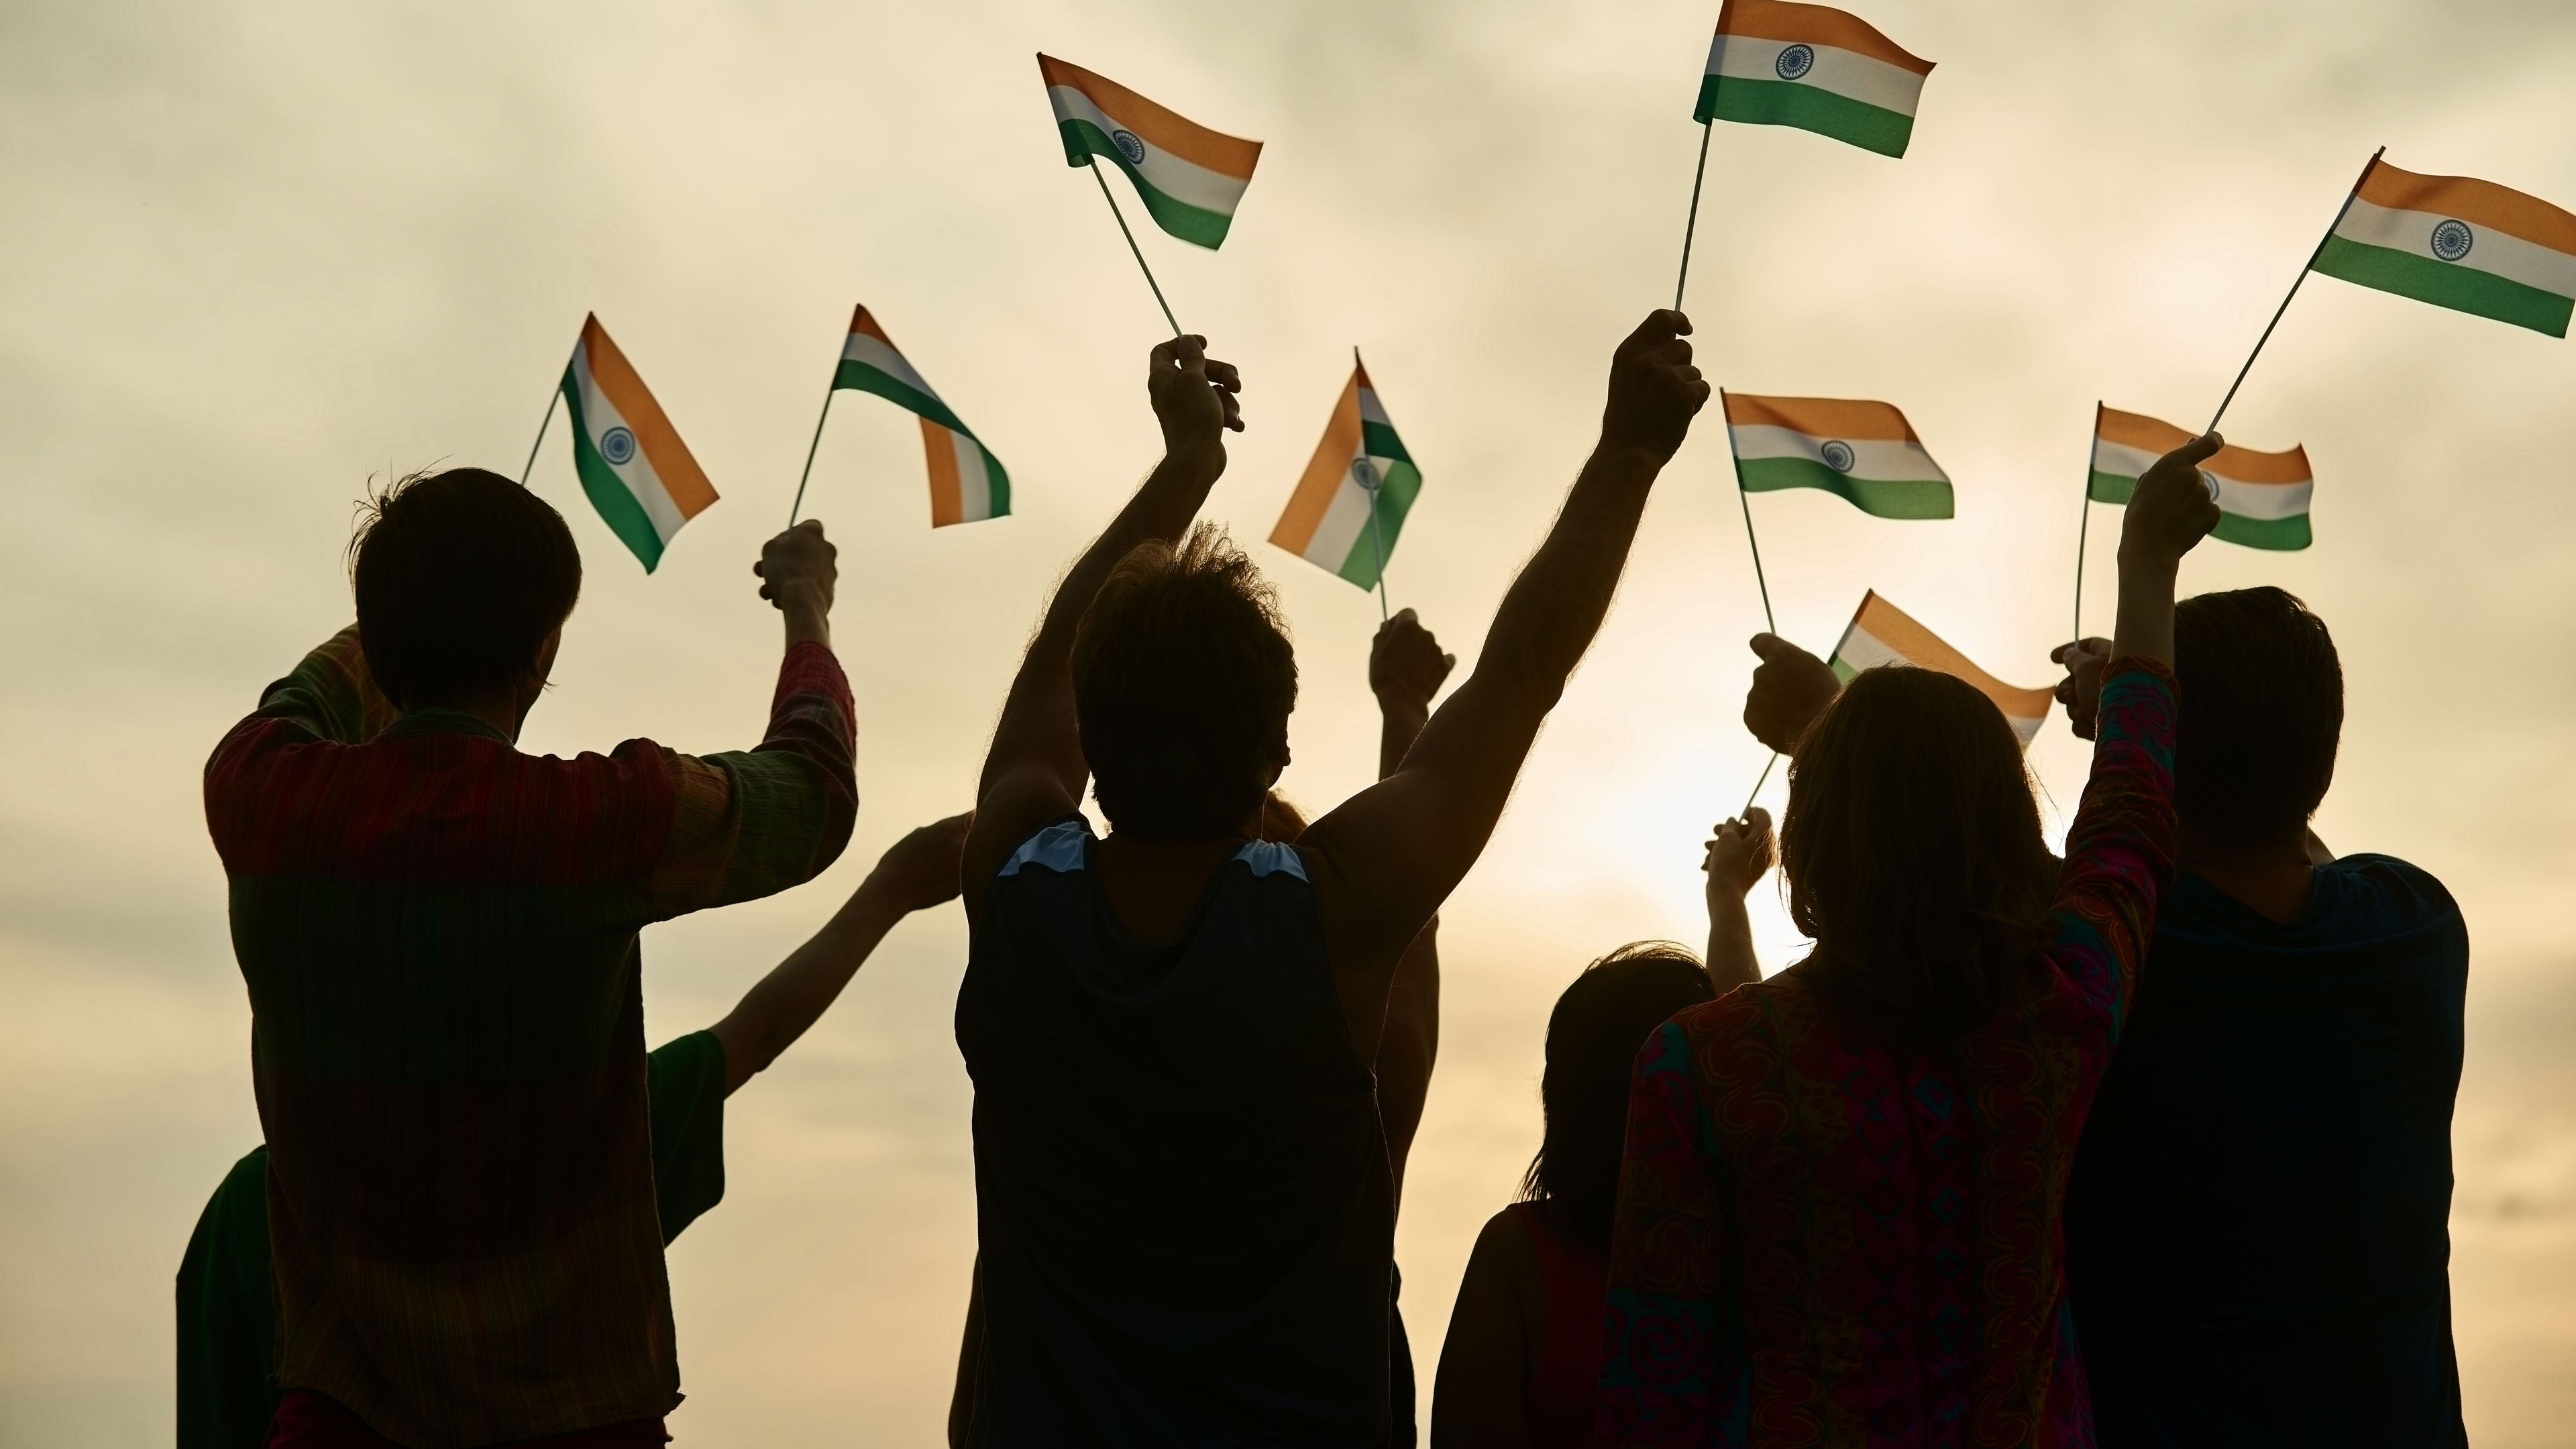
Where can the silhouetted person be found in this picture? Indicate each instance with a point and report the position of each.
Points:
(1406, 669)
(1184, 1203)
(439, 937)
(1522, 1365)
(2258, 1233)
(227, 1316)
(1837, 1220)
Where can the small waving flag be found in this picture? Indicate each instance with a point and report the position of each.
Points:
(1775, 63)
(1191, 178)
(1347, 510)
(1864, 451)
(1882, 633)
(2262, 497)
(967, 484)
(638, 473)
(2469, 245)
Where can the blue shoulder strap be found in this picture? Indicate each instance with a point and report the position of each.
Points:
(1267, 857)
(1057, 846)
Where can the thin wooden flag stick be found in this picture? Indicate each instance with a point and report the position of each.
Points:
(1768, 623)
(1765, 779)
(529, 471)
(798, 506)
(1107, 196)
(2294, 291)
(2084, 521)
(1377, 535)
(1690, 228)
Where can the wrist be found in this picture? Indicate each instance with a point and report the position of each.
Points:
(1629, 453)
(1197, 458)
(806, 622)
(2145, 562)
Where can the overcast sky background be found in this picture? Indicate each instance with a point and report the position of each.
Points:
(252, 256)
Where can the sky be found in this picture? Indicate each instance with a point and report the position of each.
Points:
(253, 257)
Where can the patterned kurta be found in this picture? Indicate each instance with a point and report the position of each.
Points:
(1829, 1242)
(439, 936)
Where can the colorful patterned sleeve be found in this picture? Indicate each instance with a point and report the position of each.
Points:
(2120, 851)
(754, 822)
(1667, 1367)
(331, 696)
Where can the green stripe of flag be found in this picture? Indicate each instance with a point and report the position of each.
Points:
(1000, 481)
(2274, 533)
(1925, 498)
(1807, 107)
(608, 493)
(2445, 284)
(859, 377)
(1379, 441)
(2284, 534)
(1399, 482)
(1197, 224)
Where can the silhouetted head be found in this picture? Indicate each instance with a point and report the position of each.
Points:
(2262, 694)
(1912, 849)
(1182, 683)
(1592, 1041)
(462, 579)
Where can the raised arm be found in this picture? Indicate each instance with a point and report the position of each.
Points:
(2120, 849)
(1034, 770)
(1385, 860)
(1740, 854)
(918, 872)
(1406, 669)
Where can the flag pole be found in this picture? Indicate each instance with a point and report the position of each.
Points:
(2349, 196)
(1107, 196)
(1768, 623)
(1765, 779)
(1371, 483)
(798, 506)
(552, 399)
(2084, 522)
(1690, 228)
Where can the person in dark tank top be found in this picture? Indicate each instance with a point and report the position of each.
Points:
(1185, 1215)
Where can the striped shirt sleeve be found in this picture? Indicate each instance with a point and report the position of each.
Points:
(331, 695)
(751, 823)
(2120, 851)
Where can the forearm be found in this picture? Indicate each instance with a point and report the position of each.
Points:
(796, 993)
(1553, 610)
(1731, 962)
(1410, 1046)
(1399, 725)
(2146, 628)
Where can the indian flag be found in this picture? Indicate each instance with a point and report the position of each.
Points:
(967, 484)
(1864, 451)
(2469, 245)
(1191, 177)
(638, 473)
(1882, 633)
(1775, 63)
(1349, 507)
(2262, 497)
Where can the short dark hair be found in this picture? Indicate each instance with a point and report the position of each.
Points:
(2262, 712)
(1593, 1037)
(1183, 679)
(460, 576)
(1913, 854)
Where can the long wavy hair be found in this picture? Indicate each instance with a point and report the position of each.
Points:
(1913, 854)
(1592, 1041)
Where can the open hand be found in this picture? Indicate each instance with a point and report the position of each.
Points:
(920, 870)
(1790, 688)
(1194, 399)
(2081, 690)
(1406, 667)
(1742, 852)
(1654, 390)
(2174, 506)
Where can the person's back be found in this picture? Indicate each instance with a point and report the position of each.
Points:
(1185, 1221)
(1837, 1222)
(2257, 1231)
(439, 938)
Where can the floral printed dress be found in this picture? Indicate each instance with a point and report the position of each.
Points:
(1835, 1243)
